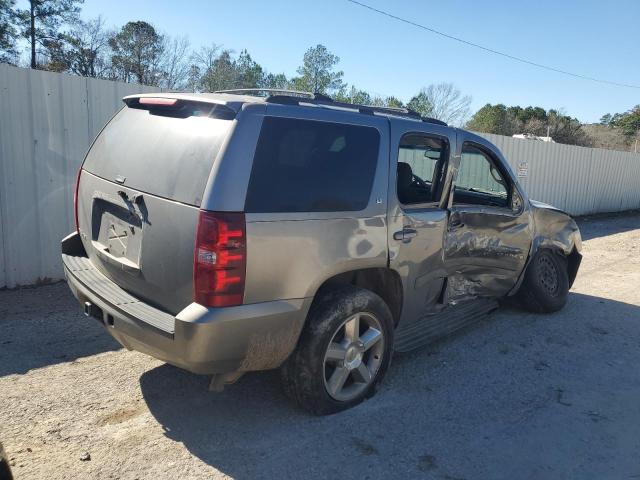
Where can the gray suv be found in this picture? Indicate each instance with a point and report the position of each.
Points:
(241, 231)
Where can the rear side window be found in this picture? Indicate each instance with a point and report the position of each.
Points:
(311, 166)
(159, 154)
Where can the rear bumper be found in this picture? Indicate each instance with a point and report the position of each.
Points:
(202, 340)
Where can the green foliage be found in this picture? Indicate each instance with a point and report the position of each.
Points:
(537, 121)
(628, 123)
(394, 102)
(220, 71)
(137, 50)
(250, 73)
(8, 33)
(420, 103)
(317, 73)
(279, 81)
(353, 95)
(40, 24)
(493, 119)
(221, 75)
(605, 119)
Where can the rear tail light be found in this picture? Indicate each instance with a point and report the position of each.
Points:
(75, 199)
(219, 261)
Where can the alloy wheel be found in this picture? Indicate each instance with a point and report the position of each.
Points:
(353, 356)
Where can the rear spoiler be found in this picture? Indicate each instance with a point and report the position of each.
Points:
(180, 107)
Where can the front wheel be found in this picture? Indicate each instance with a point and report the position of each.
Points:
(343, 351)
(546, 283)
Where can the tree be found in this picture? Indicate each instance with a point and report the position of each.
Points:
(421, 103)
(175, 63)
(278, 81)
(218, 70)
(40, 23)
(317, 73)
(221, 74)
(628, 123)
(249, 73)
(563, 129)
(605, 119)
(393, 102)
(537, 121)
(442, 101)
(353, 95)
(494, 119)
(83, 50)
(193, 78)
(137, 53)
(8, 32)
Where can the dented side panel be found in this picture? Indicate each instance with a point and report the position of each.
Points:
(555, 230)
(486, 253)
(486, 248)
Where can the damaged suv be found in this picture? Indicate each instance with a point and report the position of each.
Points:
(238, 231)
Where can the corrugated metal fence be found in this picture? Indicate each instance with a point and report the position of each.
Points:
(577, 179)
(47, 121)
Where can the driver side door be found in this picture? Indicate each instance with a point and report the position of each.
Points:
(488, 233)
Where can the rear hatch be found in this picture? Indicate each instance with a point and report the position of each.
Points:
(140, 190)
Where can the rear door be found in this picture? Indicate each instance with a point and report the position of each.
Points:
(488, 234)
(420, 153)
(140, 190)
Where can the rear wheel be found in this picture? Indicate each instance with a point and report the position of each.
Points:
(343, 351)
(546, 283)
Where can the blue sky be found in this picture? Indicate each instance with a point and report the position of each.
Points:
(589, 37)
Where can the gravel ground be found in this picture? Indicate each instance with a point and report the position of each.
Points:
(518, 396)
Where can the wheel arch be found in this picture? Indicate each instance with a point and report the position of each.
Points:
(384, 282)
(567, 248)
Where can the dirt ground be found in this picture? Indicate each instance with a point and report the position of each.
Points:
(517, 396)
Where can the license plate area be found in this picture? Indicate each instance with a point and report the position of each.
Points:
(117, 233)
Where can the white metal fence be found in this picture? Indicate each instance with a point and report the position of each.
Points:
(47, 121)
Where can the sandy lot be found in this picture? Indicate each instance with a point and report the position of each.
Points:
(517, 396)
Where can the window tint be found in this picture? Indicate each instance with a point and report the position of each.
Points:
(310, 166)
(479, 182)
(167, 156)
(420, 161)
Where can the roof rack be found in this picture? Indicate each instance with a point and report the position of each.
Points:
(269, 91)
(295, 97)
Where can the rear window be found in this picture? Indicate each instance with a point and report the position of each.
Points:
(159, 154)
(311, 166)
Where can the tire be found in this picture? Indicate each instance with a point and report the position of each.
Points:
(546, 283)
(313, 373)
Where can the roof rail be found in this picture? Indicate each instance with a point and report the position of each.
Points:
(294, 97)
(270, 91)
(325, 100)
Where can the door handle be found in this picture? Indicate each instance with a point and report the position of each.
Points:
(405, 235)
(455, 221)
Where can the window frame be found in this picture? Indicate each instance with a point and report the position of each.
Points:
(497, 164)
(442, 176)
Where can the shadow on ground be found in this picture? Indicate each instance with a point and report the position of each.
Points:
(515, 395)
(609, 224)
(45, 326)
